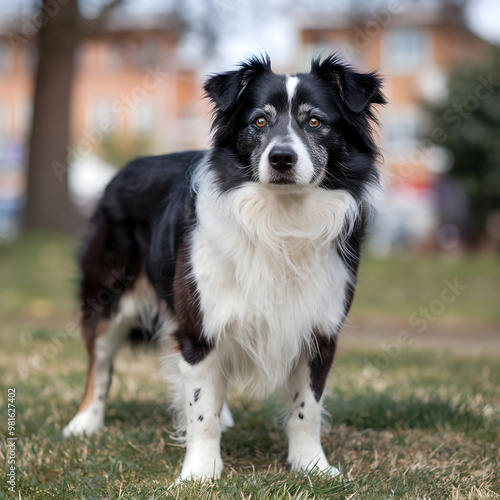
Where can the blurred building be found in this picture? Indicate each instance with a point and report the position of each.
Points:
(414, 45)
(133, 78)
(16, 83)
(132, 95)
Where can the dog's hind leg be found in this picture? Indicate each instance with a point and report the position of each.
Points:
(103, 342)
(305, 389)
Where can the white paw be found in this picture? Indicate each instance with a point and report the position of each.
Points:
(312, 462)
(86, 422)
(330, 470)
(226, 418)
(201, 467)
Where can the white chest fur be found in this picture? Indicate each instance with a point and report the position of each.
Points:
(267, 273)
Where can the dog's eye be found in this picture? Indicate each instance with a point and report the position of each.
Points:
(261, 122)
(314, 122)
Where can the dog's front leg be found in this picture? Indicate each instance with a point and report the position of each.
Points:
(305, 390)
(204, 393)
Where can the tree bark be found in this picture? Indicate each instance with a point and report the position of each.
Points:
(48, 205)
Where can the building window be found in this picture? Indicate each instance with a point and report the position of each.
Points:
(142, 119)
(147, 53)
(406, 48)
(402, 132)
(114, 56)
(100, 114)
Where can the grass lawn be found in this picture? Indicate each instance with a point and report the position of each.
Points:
(424, 425)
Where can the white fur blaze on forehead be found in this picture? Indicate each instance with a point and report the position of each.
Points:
(291, 85)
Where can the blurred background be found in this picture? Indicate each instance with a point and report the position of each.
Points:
(87, 85)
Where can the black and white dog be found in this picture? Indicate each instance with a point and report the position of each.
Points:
(241, 260)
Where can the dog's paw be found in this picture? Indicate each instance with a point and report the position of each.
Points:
(329, 470)
(312, 462)
(201, 467)
(84, 423)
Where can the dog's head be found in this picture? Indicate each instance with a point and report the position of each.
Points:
(309, 129)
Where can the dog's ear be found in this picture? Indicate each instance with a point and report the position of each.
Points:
(225, 89)
(357, 90)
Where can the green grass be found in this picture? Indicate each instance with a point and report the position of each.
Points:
(427, 425)
(38, 276)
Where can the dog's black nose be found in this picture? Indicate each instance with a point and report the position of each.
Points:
(282, 157)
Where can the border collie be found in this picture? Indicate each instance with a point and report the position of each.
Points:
(240, 260)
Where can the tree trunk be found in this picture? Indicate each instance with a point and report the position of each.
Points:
(48, 204)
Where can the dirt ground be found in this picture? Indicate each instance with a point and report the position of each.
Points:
(463, 336)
